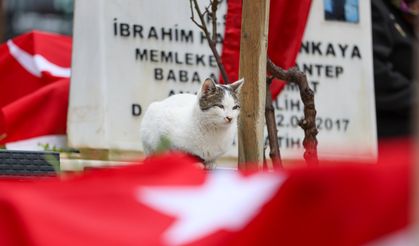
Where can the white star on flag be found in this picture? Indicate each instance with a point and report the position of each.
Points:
(226, 200)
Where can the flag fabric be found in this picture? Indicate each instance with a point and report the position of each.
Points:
(31, 61)
(167, 200)
(284, 38)
(42, 112)
(35, 71)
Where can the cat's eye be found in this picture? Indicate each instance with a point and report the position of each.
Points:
(236, 107)
(220, 106)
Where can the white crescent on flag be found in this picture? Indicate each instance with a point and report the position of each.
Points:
(36, 64)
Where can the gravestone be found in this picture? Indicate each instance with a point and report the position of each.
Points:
(129, 53)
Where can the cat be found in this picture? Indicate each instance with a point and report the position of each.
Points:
(203, 125)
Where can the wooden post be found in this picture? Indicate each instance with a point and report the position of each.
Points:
(253, 48)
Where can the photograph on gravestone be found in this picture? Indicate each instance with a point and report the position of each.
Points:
(341, 10)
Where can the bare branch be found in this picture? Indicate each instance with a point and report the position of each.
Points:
(196, 23)
(212, 44)
(206, 11)
(274, 152)
(193, 16)
(214, 6)
(308, 124)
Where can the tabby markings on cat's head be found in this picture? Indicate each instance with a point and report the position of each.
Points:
(212, 95)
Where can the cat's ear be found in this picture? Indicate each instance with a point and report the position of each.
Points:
(208, 86)
(236, 86)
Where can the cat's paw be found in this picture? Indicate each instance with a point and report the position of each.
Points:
(200, 165)
(210, 165)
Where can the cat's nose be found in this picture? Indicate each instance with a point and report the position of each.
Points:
(228, 119)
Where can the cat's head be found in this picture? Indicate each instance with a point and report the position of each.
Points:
(220, 103)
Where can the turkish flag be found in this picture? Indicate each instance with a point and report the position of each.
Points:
(167, 200)
(287, 21)
(34, 86)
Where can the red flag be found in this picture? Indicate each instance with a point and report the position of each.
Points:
(33, 94)
(168, 201)
(43, 112)
(31, 61)
(286, 28)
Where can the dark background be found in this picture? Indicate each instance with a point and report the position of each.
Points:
(20, 16)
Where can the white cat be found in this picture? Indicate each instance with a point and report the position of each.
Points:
(203, 125)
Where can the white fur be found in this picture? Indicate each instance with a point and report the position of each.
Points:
(179, 119)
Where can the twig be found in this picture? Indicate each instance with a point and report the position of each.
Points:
(265, 162)
(308, 124)
(274, 152)
(214, 6)
(212, 44)
(193, 16)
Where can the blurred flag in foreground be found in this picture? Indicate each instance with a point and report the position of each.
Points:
(34, 85)
(169, 201)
